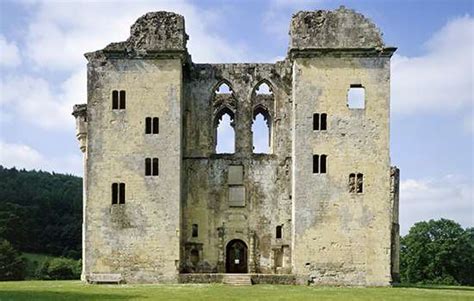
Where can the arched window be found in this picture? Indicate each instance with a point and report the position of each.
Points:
(261, 131)
(223, 88)
(224, 131)
(263, 88)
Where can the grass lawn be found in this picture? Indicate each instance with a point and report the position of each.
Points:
(76, 290)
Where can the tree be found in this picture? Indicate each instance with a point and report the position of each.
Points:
(440, 252)
(12, 265)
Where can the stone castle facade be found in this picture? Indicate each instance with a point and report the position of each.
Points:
(160, 205)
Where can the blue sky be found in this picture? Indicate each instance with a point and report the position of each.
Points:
(43, 75)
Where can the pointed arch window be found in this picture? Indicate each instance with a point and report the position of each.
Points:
(224, 132)
(261, 130)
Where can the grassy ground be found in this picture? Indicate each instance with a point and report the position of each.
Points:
(75, 290)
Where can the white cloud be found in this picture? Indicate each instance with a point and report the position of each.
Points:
(24, 156)
(61, 33)
(449, 197)
(441, 80)
(33, 100)
(9, 53)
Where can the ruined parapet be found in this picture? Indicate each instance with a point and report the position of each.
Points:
(341, 29)
(80, 113)
(155, 34)
(395, 200)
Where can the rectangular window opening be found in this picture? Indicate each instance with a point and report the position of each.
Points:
(155, 166)
(356, 97)
(122, 193)
(323, 122)
(148, 125)
(114, 193)
(195, 230)
(115, 100)
(352, 184)
(122, 99)
(322, 165)
(278, 232)
(156, 125)
(147, 167)
(315, 163)
(315, 122)
(360, 182)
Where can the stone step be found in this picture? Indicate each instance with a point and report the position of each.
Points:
(237, 279)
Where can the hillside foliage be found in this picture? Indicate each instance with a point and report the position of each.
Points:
(41, 212)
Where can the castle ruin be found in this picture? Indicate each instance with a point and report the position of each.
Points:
(161, 205)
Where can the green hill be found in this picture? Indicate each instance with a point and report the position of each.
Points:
(41, 212)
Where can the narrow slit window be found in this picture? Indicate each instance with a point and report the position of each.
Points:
(115, 100)
(114, 193)
(195, 230)
(352, 183)
(122, 99)
(356, 97)
(122, 193)
(322, 161)
(156, 125)
(147, 167)
(360, 182)
(315, 163)
(278, 232)
(324, 118)
(315, 122)
(155, 166)
(148, 125)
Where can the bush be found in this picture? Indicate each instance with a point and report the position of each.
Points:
(59, 269)
(12, 265)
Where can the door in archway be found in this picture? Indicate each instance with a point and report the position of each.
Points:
(236, 257)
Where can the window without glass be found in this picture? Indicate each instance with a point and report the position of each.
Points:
(114, 193)
(156, 125)
(148, 125)
(261, 131)
(118, 193)
(195, 230)
(356, 183)
(118, 100)
(319, 163)
(115, 100)
(356, 97)
(151, 166)
(225, 135)
(278, 231)
(319, 122)
(122, 99)
(147, 167)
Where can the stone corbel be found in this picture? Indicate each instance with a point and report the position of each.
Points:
(80, 113)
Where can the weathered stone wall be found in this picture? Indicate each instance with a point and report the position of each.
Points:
(140, 238)
(266, 176)
(329, 235)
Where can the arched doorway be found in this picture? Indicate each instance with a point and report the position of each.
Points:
(236, 257)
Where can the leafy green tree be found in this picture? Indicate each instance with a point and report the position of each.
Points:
(12, 265)
(438, 252)
(60, 269)
(41, 212)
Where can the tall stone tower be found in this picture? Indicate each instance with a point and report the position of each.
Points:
(132, 222)
(161, 204)
(336, 54)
